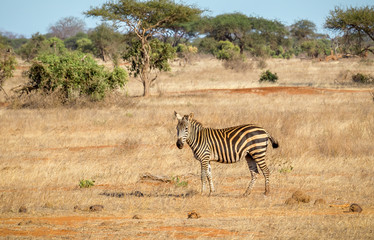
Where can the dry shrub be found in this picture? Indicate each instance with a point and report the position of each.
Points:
(238, 65)
(344, 77)
(56, 99)
(319, 201)
(361, 78)
(300, 196)
(291, 201)
(37, 100)
(261, 63)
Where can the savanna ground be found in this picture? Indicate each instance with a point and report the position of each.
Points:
(324, 124)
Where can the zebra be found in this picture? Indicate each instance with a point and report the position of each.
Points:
(228, 145)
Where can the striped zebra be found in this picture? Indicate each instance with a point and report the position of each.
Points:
(228, 145)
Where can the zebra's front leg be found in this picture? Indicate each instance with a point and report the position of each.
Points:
(203, 179)
(206, 173)
(210, 179)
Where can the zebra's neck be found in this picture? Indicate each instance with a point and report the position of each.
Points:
(194, 134)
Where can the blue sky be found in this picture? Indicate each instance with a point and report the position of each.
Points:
(27, 17)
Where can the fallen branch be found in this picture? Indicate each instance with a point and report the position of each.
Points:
(148, 176)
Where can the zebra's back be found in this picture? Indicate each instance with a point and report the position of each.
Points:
(229, 145)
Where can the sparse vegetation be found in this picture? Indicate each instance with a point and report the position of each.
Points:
(178, 182)
(268, 76)
(85, 183)
(362, 78)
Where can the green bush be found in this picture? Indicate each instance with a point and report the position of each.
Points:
(226, 50)
(86, 183)
(362, 78)
(7, 66)
(39, 44)
(268, 76)
(74, 74)
(206, 45)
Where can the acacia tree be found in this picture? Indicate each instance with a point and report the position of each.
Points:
(67, 27)
(146, 19)
(107, 42)
(356, 25)
(233, 27)
(303, 30)
(178, 33)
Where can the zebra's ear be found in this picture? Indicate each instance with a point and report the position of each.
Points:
(179, 117)
(190, 116)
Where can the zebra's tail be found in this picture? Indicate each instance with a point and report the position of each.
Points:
(274, 143)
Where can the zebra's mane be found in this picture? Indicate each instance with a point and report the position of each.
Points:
(197, 123)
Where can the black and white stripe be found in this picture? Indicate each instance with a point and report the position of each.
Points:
(228, 145)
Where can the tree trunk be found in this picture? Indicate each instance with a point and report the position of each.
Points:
(146, 85)
(146, 68)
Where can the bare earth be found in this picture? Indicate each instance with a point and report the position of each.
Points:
(324, 130)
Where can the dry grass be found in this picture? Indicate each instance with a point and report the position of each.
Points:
(325, 150)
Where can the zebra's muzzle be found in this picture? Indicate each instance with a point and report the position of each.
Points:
(179, 144)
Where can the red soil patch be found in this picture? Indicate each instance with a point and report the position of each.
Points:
(181, 232)
(36, 232)
(278, 89)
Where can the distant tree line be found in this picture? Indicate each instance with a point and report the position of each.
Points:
(149, 33)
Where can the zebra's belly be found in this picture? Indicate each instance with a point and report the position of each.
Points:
(224, 159)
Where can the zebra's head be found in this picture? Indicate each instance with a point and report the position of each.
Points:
(183, 128)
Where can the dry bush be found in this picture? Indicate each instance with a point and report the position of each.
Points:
(238, 65)
(261, 63)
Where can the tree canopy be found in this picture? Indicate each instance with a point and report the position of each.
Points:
(355, 24)
(234, 27)
(67, 27)
(146, 19)
(303, 29)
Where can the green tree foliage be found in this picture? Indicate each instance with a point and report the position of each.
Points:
(259, 36)
(226, 50)
(181, 32)
(146, 19)
(67, 27)
(40, 44)
(73, 74)
(303, 30)
(71, 42)
(12, 40)
(107, 42)
(206, 44)
(234, 27)
(159, 55)
(271, 32)
(7, 65)
(85, 45)
(356, 25)
(316, 48)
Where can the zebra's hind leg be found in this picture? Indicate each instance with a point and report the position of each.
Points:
(254, 171)
(265, 170)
